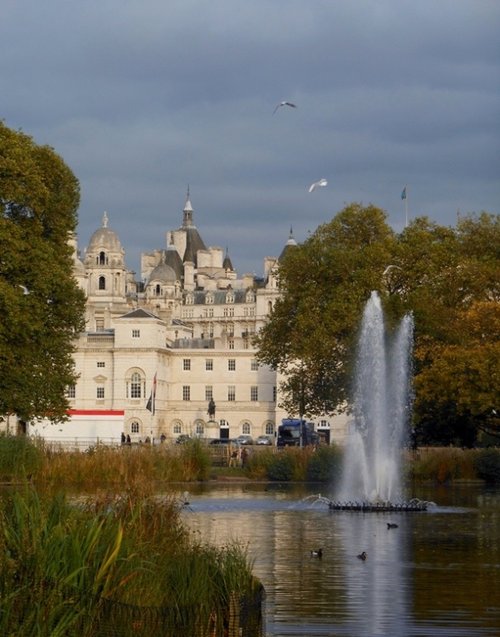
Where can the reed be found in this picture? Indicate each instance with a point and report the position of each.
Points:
(70, 568)
(442, 464)
(103, 466)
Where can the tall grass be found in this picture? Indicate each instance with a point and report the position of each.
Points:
(70, 569)
(101, 466)
(442, 464)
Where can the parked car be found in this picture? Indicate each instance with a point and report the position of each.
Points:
(263, 440)
(182, 439)
(221, 441)
(244, 439)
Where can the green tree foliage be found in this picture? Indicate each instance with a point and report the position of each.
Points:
(40, 303)
(447, 277)
(325, 283)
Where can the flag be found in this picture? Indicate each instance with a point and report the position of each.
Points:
(403, 194)
(152, 398)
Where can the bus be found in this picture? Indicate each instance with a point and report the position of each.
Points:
(296, 432)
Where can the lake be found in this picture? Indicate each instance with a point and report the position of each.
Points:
(436, 574)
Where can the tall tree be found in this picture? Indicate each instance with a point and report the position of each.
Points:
(325, 283)
(447, 278)
(40, 302)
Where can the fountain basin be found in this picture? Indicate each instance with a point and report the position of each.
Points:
(379, 507)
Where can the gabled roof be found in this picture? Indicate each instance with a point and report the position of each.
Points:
(139, 313)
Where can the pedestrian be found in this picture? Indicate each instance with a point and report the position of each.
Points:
(244, 457)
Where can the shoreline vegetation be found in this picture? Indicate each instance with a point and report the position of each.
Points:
(144, 467)
(120, 561)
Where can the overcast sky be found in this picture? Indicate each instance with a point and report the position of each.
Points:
(143, 97)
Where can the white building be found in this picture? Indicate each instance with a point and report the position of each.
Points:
(182, 336)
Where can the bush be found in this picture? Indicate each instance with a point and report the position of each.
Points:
(20, 458)
(281, 469)
(487, 465)
(324, 465)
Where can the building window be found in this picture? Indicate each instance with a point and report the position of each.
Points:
(136, 333)
(254, 393)
(102, 282)
(100, 391)
(177, 428)
(254, 365)
(231, 393)
(231, 365)
(209, 392)
(230, 343)
(186, 392)
(274, 394)
(209, 364)
(134, 428)
(102, 258)
(135, 385)
(199, 429)
(101, 364)
(269, 429)
(246, 428)
(71, 391)
(186, 364)
(99, 323)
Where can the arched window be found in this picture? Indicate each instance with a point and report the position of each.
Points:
(246, 428)
(134, 427)
(158, 289)
(177, 428)
(269, 429)
(135, 384)
(199, 428)
(102, 258)
(102, 282)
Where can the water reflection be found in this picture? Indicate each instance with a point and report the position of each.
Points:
(415, 581)
(377, 588)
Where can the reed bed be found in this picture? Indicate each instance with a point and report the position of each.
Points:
(125, 564)
(444, 464)
(103, 466)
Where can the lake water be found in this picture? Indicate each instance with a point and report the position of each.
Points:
(436, 574)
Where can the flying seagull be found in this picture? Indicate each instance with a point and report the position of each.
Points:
(318, 184)
(284, 104)
(24, 289)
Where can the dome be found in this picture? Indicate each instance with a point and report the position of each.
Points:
(105, 238)
(163, 273)
(290, 244)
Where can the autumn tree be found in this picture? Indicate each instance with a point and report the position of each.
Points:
(448, 278)
(40, 303)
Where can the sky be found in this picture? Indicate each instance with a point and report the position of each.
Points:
(143, 98)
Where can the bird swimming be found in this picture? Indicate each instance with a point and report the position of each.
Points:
(318, 184)
(317, 553)
(284, 104)
(362, 556)
(391, 525)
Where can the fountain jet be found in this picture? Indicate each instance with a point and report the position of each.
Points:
(381, 409)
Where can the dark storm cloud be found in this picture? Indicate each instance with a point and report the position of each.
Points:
(143, 97)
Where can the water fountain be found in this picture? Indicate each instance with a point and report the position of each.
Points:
(381, 408)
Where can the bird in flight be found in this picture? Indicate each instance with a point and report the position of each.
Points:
(24, 289)
(318, 184)
(284, 104)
